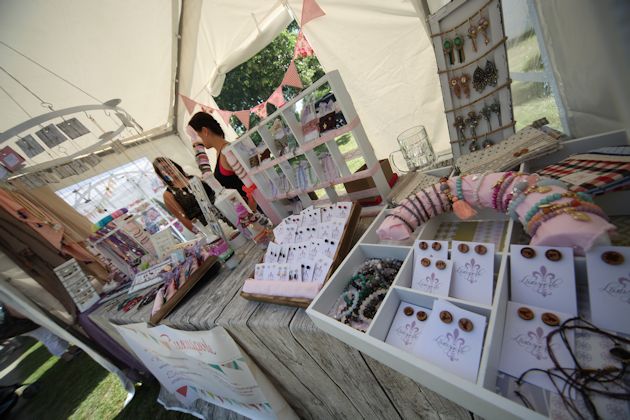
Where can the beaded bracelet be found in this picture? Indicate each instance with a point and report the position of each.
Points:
(411, 229)
(366, 302)
(415, 206)
(404, 206)
(503, 188)
(551, 198)
(444, 187)
(439, 196)
(476, 200)
(435, 212)
(459, 190)
(573, 204)
(426, 212)
(461, 208)
(522, 190)
(578, 213)
(497, 187)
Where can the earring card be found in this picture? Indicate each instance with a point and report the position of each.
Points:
(450, 347)
(430, 279)
(406, 330)
(473, 273)
(525, 345)
(540, 281)
(609, 287)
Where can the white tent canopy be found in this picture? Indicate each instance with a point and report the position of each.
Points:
(130, 50)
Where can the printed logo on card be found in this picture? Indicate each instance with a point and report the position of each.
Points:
(470, 271)
(429, 284)
(452, 345)
(619, 289)
(542, 281)
(534, 342)
(409, 333)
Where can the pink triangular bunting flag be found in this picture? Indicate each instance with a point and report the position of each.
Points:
(310, 11)
(302, 47)
(225, 115)
(208, 109)
(188, 103)
(277, 98)
(260, 110)
(243, 116)
(291, 77)
(183, 390)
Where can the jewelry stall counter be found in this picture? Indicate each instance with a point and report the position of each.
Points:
(319, 376)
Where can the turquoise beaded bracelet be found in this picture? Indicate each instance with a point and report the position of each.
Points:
(549, 199)
(522, 186)
(459, 188)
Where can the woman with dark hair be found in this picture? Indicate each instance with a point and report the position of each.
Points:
(212, 136)
(178, 197)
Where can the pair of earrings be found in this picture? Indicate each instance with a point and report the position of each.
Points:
(480, 28)
(460, 84)
(464, 323)
(420, 315)
(488, 110)
(548, 318)
(452, 45)
(551, 254)
(479, 249)
(483, 77)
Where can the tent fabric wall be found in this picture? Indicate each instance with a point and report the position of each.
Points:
(114, 49)
(590, 56)
(386, 60)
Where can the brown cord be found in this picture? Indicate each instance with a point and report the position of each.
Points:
(486, 4)
(485, 134)
(508, 83)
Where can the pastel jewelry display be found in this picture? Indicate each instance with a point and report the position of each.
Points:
(550, 214)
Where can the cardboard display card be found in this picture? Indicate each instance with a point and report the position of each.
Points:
(450, 347)
(609, 287)
(537, 280)
(525, 345)
(430, 279)
(473, 271)
(273, 252)
(407, 326)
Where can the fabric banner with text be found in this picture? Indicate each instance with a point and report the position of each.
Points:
(206, 365)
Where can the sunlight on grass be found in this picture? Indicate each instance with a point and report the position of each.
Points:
(104, 402)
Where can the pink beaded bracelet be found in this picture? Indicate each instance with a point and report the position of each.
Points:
(579, 209)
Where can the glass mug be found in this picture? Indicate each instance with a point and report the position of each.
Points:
(416, 149)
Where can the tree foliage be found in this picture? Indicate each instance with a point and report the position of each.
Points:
(255, 80)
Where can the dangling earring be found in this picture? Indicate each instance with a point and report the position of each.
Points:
(491, 73)
(472, 34)
(454, 82)
(459, 46)
(464, 80)
(448, 50)
(479, 79)
(482, 26)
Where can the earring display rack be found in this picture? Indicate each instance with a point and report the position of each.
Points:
(483, 395)
(284, 154)
(470, 49)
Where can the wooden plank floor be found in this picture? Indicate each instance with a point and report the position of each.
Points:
(318, 375)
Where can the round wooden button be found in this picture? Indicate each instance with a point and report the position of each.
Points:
(525, 313)
(423, 245)
(528, 252)
(550, 319)
(612, 258)
(553, 255)
(465, 324)
(436, 246)
(408, 310)
(421, 315)
(446, 317)
(481, 249)
(463, 248)
(440, 265)
(425, 262)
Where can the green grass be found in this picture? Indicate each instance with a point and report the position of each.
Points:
(79, 389)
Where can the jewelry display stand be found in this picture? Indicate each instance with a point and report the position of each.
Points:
(283, 154)
(470, 48)
(481, 395)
